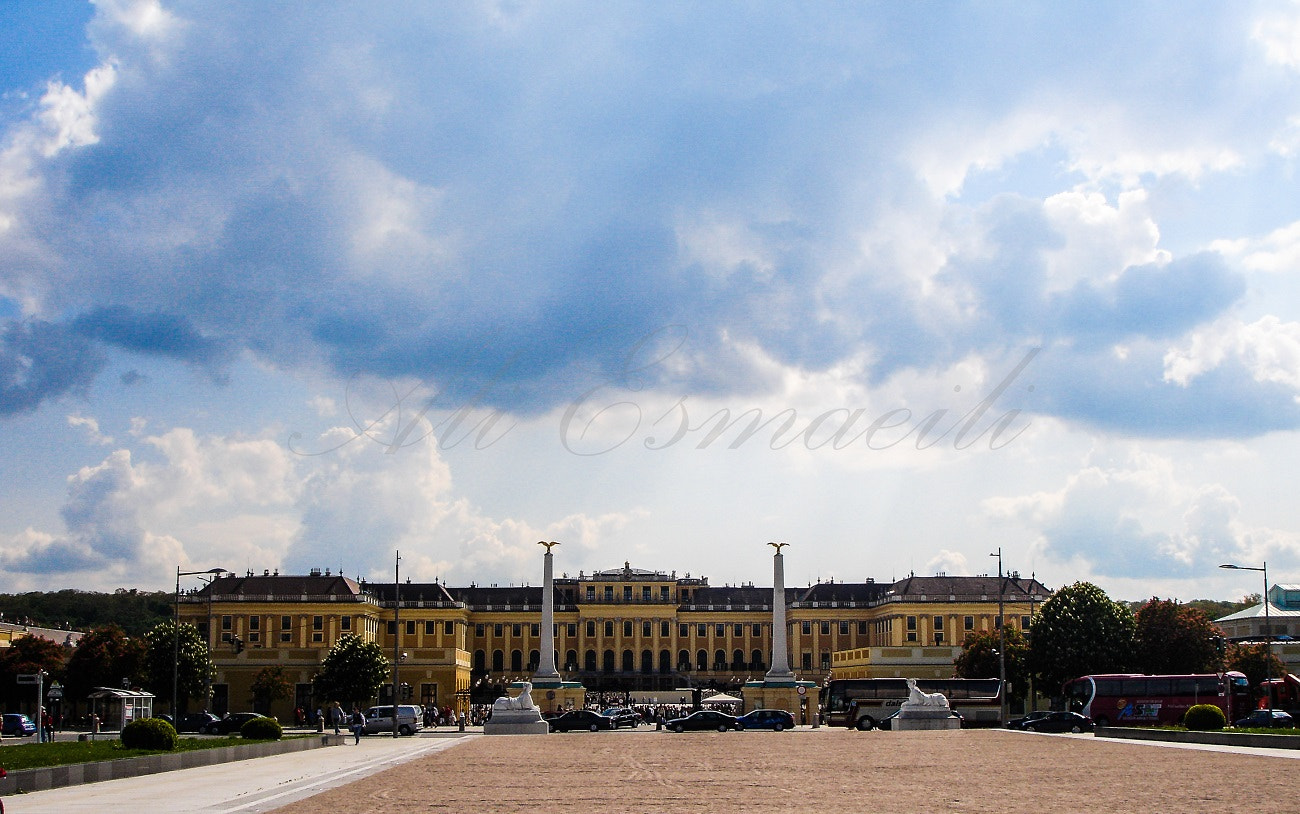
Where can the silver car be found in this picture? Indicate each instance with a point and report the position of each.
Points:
(410, 719)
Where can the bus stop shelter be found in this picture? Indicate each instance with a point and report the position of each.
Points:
(117, 708)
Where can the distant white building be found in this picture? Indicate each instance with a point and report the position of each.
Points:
(1282, 623)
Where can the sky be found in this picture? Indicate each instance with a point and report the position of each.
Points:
(294, 286)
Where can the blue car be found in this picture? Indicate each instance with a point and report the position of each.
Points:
(18, 725)
(773, 719)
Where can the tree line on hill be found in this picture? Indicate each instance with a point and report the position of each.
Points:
(135, 612)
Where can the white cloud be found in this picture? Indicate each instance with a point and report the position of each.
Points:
(1268, 348)
(1278, 32)
(1277, 252)
(91, 427)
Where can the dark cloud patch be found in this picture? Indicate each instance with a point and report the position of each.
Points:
(41, 360)
(156, 333)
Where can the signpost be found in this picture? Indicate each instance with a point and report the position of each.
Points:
(38, 678)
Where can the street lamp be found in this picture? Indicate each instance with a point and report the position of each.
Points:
(1268, 626)
(1002, 645)
(176, 634)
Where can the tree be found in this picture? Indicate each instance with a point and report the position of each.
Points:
(28, 654)
(1079, 631)
(1173, 638)
(193, 666)
(270, 685)
(352, 672)
(979, 658)
(104, 657)
(1256, 662)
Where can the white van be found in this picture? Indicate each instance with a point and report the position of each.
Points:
(379, 720)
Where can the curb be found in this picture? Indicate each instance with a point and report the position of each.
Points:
(53, 777)
(1206, 738)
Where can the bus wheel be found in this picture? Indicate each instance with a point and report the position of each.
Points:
(865, 724)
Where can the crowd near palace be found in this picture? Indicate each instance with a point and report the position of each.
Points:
(626, 633)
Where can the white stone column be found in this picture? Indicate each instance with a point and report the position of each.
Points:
(780, 670)
(546, 672)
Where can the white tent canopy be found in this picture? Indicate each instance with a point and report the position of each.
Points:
(721, 698)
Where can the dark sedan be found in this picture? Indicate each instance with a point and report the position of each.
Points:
(1019, 723)
(703, 720)
(1059, 722)
(1266, 719)
(622, 716)
(580, 719)
(773, 719)
(230, 724)
(18, 725)
(196, 722)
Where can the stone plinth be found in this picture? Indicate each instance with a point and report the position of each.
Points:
(516, 722)
(920, 717)
(559, 696)
(782, 695)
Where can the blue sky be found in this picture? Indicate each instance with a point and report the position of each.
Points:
(899, 284)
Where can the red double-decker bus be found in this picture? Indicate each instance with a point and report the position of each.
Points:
(1121, 699)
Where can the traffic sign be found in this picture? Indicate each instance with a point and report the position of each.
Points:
(29, 678)
(55, 692)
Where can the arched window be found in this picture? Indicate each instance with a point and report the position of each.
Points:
(609, 661)
(738, 660)
(589, 661)
(629, 661)
(756, 660)
(516, 661)
(647, 661)
(719, 659)
(480, 661)
(665, 661)
(535, 658)
(684, 660)
(571, 660)
(498, 661)
(702, 660)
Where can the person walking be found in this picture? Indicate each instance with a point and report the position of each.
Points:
(358, 724)
(336, 717)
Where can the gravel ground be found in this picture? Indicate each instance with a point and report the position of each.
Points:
(818, 771)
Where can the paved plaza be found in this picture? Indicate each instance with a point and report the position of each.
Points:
(647, 771)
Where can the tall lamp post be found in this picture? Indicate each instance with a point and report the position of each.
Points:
(1002, 645)
(176, 634)
(1268, 626)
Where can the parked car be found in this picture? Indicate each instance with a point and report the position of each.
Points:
(580, 719)
(1267, 718)
(622, 716)
(704, 719)
(1019, 723)
(230, 724)
(18, 725)
(196, 722)
(773, 719)
(410, 719)
(1060, 722)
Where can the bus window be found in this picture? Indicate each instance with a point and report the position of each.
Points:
(1207, 685)
(1159, 686)
(1133, 686)
(1186, 686)
(1108, 687)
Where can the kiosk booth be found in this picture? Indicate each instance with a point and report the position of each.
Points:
(117, 708)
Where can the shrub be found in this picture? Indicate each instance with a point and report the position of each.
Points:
(1204, 718)
(149, 733)
(261, 729)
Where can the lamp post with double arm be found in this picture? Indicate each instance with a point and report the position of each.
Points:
(1268, 626)
(176, 636)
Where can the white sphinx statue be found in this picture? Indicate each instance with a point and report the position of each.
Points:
(916, 698)
(523, 701)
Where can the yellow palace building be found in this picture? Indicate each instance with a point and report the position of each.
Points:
(624, 633)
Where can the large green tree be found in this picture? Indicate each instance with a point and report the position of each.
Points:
(979, 658)
(28, 654)
(103, 658)
(1079, 631)
(1173, 638)
(193, 668)
(352, 672)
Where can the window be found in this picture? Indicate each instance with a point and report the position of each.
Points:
(286, 622)
(720, 630)
(572, 629)
(516, 661)
(516, 630)
(410, 628)
(702, 660)
(627, 627)
(627, 597)
(589, 661)
(536, 630)
(645, 597)
(609, 597)
(720, 660)
(609, 628)
(1024, 622)
(911, 623)
(806, 628)
(862, 628)
(646, 630)
(826, 660)
(683, 630)
(826, 628)
(807, 661)
(226, 623)
(663, 593)
(497, 630)
(756, 629)
(479, 629)
(938, 623)
(686, 594)
(591, 630)
(498, 661)
(607, 661)
(448, 628)
(738, 630)
(591, 595)
(345, 622)
(665, 628)
(392, 628)
(968, 623)
(756, 660)
(844, 628)
(254, 623)
(701, 630)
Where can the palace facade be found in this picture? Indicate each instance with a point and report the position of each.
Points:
(624, 630)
